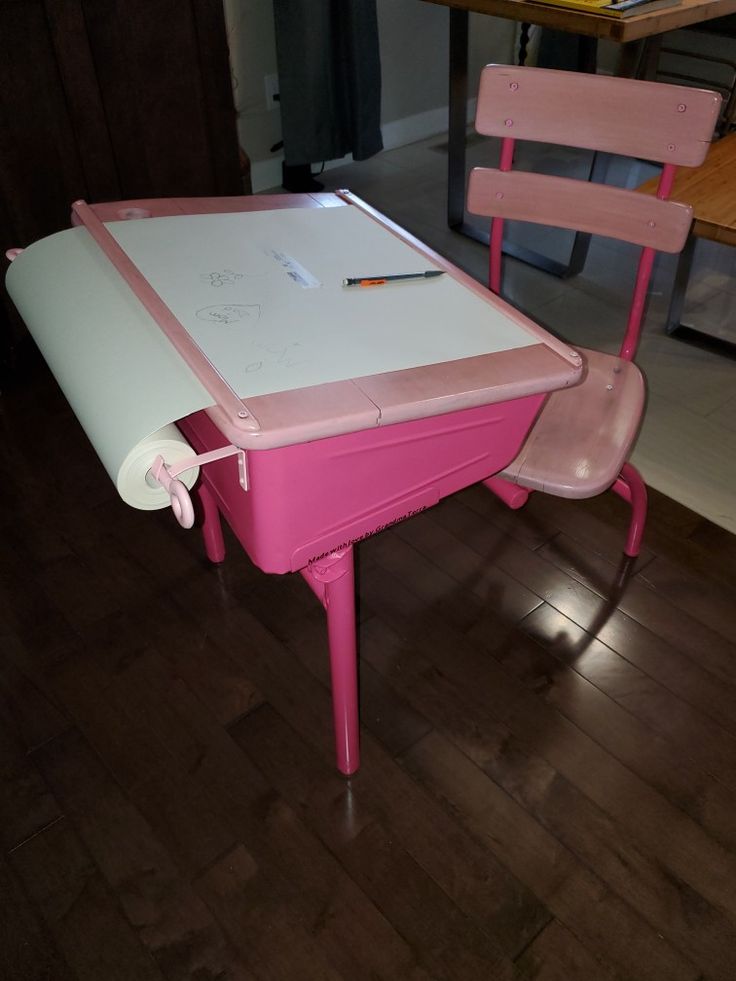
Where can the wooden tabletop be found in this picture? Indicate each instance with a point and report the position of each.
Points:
(711, 190)
(633, 28)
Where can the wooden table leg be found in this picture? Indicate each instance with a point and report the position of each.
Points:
(457, 122)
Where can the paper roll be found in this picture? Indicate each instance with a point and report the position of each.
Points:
(121, 376)
(131, 481)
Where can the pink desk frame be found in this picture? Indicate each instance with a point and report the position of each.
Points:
(331, 465)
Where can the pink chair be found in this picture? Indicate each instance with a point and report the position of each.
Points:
(581, 440)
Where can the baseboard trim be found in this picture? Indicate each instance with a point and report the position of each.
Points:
(266, 174)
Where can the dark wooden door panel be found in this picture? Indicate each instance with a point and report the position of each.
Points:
(106, 100)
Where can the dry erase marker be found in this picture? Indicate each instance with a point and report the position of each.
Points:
(380, 280)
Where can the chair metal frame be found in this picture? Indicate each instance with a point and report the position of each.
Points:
(664, 123)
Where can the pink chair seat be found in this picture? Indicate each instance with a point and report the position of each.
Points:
(583, 435)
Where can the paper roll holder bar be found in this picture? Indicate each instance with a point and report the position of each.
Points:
(166, 476)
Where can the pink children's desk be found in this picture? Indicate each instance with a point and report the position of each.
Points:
(331, 464)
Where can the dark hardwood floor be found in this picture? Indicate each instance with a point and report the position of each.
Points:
(548, 788)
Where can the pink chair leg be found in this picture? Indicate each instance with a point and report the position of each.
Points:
(333, 581)
(214, 543)
(511, 494)
(630, 486)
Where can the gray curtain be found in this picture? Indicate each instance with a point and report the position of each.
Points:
(329, 79)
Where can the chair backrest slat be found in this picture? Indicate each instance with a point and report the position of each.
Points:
(666, 123)
(564, 203)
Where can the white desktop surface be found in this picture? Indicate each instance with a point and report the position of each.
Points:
(261, 293)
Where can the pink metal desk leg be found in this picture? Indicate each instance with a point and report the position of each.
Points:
(632, 488)
(333, 581)
(511, 494)
(214, 543)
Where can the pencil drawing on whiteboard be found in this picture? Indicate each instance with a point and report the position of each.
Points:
(226, 277)
(281, 355)
(230, 313)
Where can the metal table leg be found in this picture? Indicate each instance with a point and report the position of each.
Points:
(581, 242)
(685, 332)
(682, 276)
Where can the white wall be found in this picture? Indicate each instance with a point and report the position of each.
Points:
(414, 62)
(250, 34)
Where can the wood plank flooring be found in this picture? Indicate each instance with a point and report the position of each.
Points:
(548, 788)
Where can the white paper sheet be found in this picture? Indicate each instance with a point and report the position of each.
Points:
(118, 371)
(262, 295)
